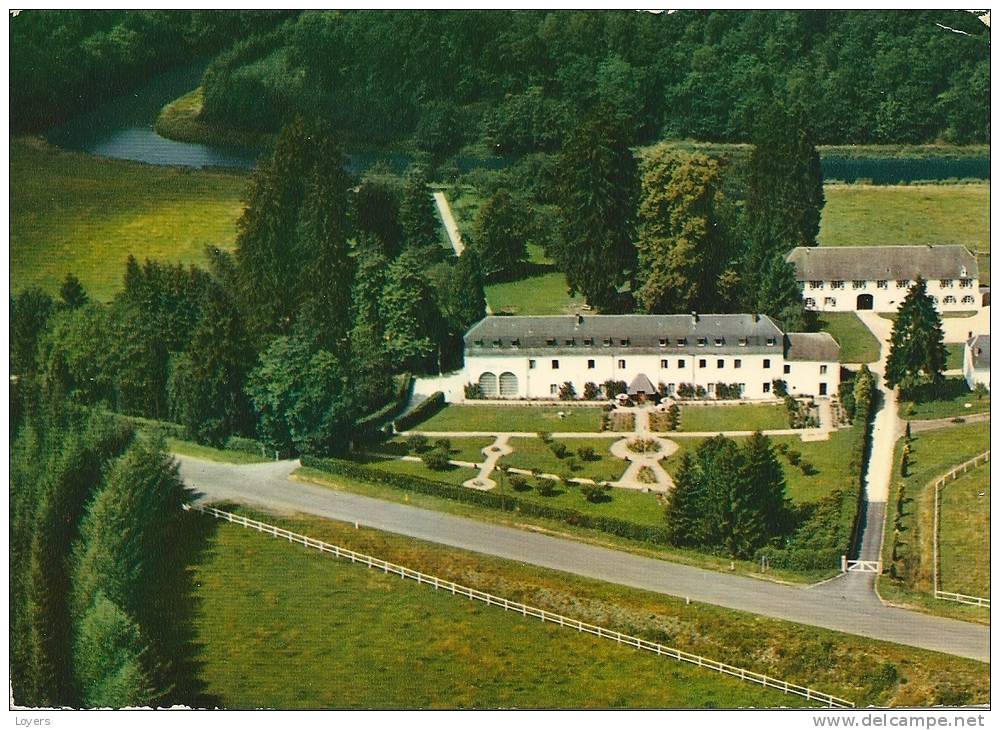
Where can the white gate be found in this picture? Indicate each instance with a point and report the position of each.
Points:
(860, 566)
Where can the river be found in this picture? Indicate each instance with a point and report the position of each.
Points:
(123, 128)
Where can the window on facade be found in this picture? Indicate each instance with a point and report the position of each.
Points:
(767, 364)
(771, 341)
(965, 284)
(588, 341)
(682, 363)
(663, 342)
(607, 342)
(554, 389)
(829, 302)
(621, 363)
(570, 342)
(703, 363)
(810, 302)
(737, 364)
(531, 364)
(664, 364)
(836, 284)
(815, 284)
(555, 364)
(720, 364)
(591, 364)
(767, 387)
(967, 300)
(719, 341)
(859, 284)
(882, 284)
(682, 341)
(902, 283)
(946, 283)
(551, 341)
(516, 342)
(949, 300)
(787, 370)
(822, 369)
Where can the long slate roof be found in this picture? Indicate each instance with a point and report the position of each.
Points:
(980, 345)
(812, 346)
(847, 263)
(641, 333)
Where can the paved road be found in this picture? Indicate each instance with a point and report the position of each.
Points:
(444, 210)
(844, 604)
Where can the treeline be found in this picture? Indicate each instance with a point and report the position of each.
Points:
(101, 604)
(335, 286)
(515, 82)
(64, 61)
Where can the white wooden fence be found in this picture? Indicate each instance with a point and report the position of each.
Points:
(491, 600)
(939, 483)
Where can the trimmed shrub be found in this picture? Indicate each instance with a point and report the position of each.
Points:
(244, 445)
(421, 412)
(587, 453)
(473, 391)
(417, 443)
(591, 391)
(558, 449)
(518, 483)
(567, 391)
(437, 459)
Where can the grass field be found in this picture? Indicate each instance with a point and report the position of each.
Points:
(532, 453)
(857, 343)
(318, 633)
(744, 417)
(456, 475)
(499, 419)
(462, 448)
(74, 213)
(870, 215)
(189, 448)
(964, 536)
(358, 637)
(956, 356)
(932, 453)
(950, 399)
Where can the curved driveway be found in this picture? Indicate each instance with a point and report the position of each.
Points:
(846, 603)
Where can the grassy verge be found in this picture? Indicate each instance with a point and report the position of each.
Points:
(456, 475)
(360, 639)
(189, 448)
(956, 356)
(744, 417)
(556, 527)
(181, 120)
(533, 453)
(964, 537)
(247, 582)
(949, 400)
(74, 213)
(500, 419)
(857, 343)
(932, 453)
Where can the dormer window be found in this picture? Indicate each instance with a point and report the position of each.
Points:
(516, 342)
(624, 342)
(719, 341)
(607, 342)
(743, 342)
(551, 341)
(663, 342)
(588, 341)
(965, 283)
(496, 342)
(479, 343)
(702, 341)
(570, 342)
(770, 342)
(682, 341)
(964, 272)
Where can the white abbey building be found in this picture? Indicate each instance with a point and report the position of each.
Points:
(531, 357)
(851, 278)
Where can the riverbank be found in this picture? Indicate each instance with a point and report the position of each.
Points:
(180, 120)
(82, 214)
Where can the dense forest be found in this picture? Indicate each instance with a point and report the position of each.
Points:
(517, 80)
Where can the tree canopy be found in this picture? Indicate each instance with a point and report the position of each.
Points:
(916, 351)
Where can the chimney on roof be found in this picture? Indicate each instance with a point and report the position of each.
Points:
(694, 317)
(579, 318)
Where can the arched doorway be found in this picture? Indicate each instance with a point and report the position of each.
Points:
(488, 384)
(866, 301)
(508, 385)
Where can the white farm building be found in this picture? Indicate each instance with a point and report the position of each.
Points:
(531, 357)
(852, 278)
(976, 363)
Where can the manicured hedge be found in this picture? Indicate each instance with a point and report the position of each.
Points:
(421, 412)
(507, 503)
(168, 429)
(368, 427)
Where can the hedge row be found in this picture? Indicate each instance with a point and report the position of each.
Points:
(368, 427)
(421, 412)
(831, 531)
(507, 503)
(166, 428)
(245, 445)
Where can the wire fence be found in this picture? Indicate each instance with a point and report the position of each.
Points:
(456, 589)
(939, 484)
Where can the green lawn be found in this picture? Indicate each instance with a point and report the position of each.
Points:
(499, 419)
(932, 453)
(857, 343)
(468, 448)
(74, 213)
(532, 453)
(315, 632)
(964, 536)
(189, 448)
(949, 400)
(956, 356)
(456, 475)
(744, 417)
(644, 508)
(545, 293)
(359, 637)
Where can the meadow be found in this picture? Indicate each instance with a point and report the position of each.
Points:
(964, 537)
(80, 214)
